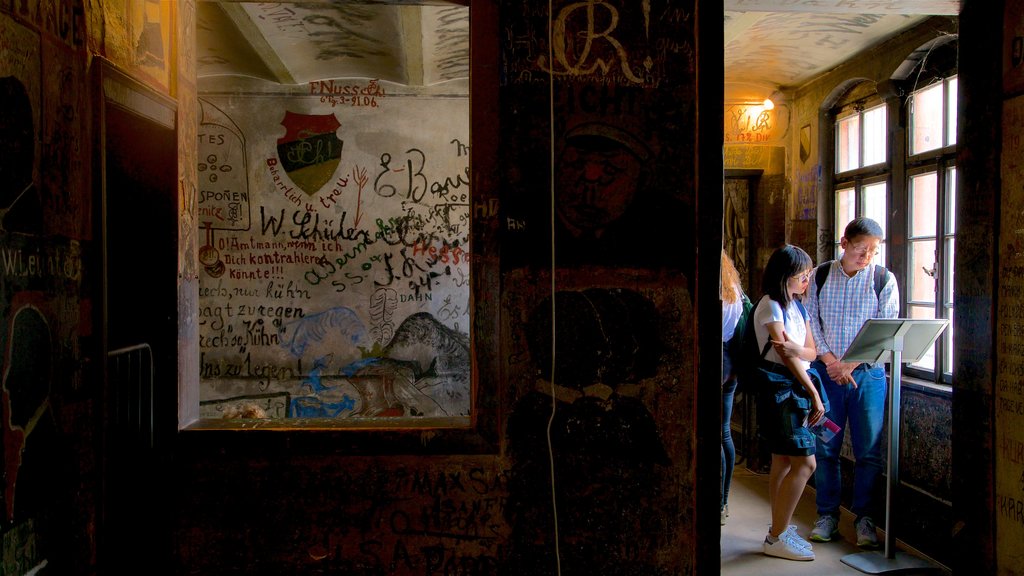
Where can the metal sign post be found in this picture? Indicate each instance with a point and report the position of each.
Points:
(907, 340)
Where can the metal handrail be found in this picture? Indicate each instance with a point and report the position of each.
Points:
(131, 374)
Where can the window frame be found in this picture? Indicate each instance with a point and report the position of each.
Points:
(476, 433)
(859, 177)
(941, 161)
(897, 171)
(859, 183)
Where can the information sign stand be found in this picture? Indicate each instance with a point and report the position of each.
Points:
(907, 340)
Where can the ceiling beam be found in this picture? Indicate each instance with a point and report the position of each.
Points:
(919, 7)
(412, 42)
(738, 23)
(259, 43)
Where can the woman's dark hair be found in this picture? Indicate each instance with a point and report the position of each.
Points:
(783, 264)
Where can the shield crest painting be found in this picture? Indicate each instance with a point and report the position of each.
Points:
(310, 149)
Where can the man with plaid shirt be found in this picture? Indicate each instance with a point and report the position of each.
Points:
(853, 290)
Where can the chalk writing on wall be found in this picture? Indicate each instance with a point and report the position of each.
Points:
(806, 197)
(45, 313)
(752, 124)
(597, 190)
(1009, 391)
(622, 134)
(755, 124)
(223, 200)
(747, 156)
(597, 42)
(337, 254)
(43, 306)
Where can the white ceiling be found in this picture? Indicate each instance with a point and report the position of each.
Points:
(769, 44)
(773, 44)
(296, 43)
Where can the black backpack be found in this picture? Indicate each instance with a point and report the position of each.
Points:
(750, 357)
(746, 356)
(735, 343)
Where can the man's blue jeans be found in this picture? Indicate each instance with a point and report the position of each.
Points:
(862, 410)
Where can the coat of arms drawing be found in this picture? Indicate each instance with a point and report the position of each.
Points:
(310, 149)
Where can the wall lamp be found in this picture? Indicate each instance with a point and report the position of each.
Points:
(766, 104)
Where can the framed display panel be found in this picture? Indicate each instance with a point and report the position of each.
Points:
(874, 340)
(333, 216)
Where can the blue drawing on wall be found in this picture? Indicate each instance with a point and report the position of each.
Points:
(325, 338)
(422, 371)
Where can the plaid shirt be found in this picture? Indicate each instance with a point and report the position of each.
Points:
(845, 303)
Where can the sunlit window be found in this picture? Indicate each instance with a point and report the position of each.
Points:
(861, 135)
(923, 258)
(875, 207)
(848, 143)
(863, 185)
(861, 168)
(874, 136)
(931, 234)
(932, 118)
(846, 210)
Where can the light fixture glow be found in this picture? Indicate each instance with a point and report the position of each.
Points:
(768, 104)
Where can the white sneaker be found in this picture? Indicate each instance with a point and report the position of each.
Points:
(786, 547)
(797, 538)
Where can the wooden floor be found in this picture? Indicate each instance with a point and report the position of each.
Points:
(747, 525)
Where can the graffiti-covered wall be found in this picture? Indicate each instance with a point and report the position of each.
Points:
(599, 165)
(330, 232)
(334, 227)
(45, 305)
(1008, 391)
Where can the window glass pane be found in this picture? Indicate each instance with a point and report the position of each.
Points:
(951, 200)
(949, 337)
(922, 271)
(948, 289)
(848, 143)
(927, 361)
(923, 204)
(951, 112)
(950, 261)
(874, 136)
(875, 204)
(875, 207)
(845, 206)
(926, 119)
